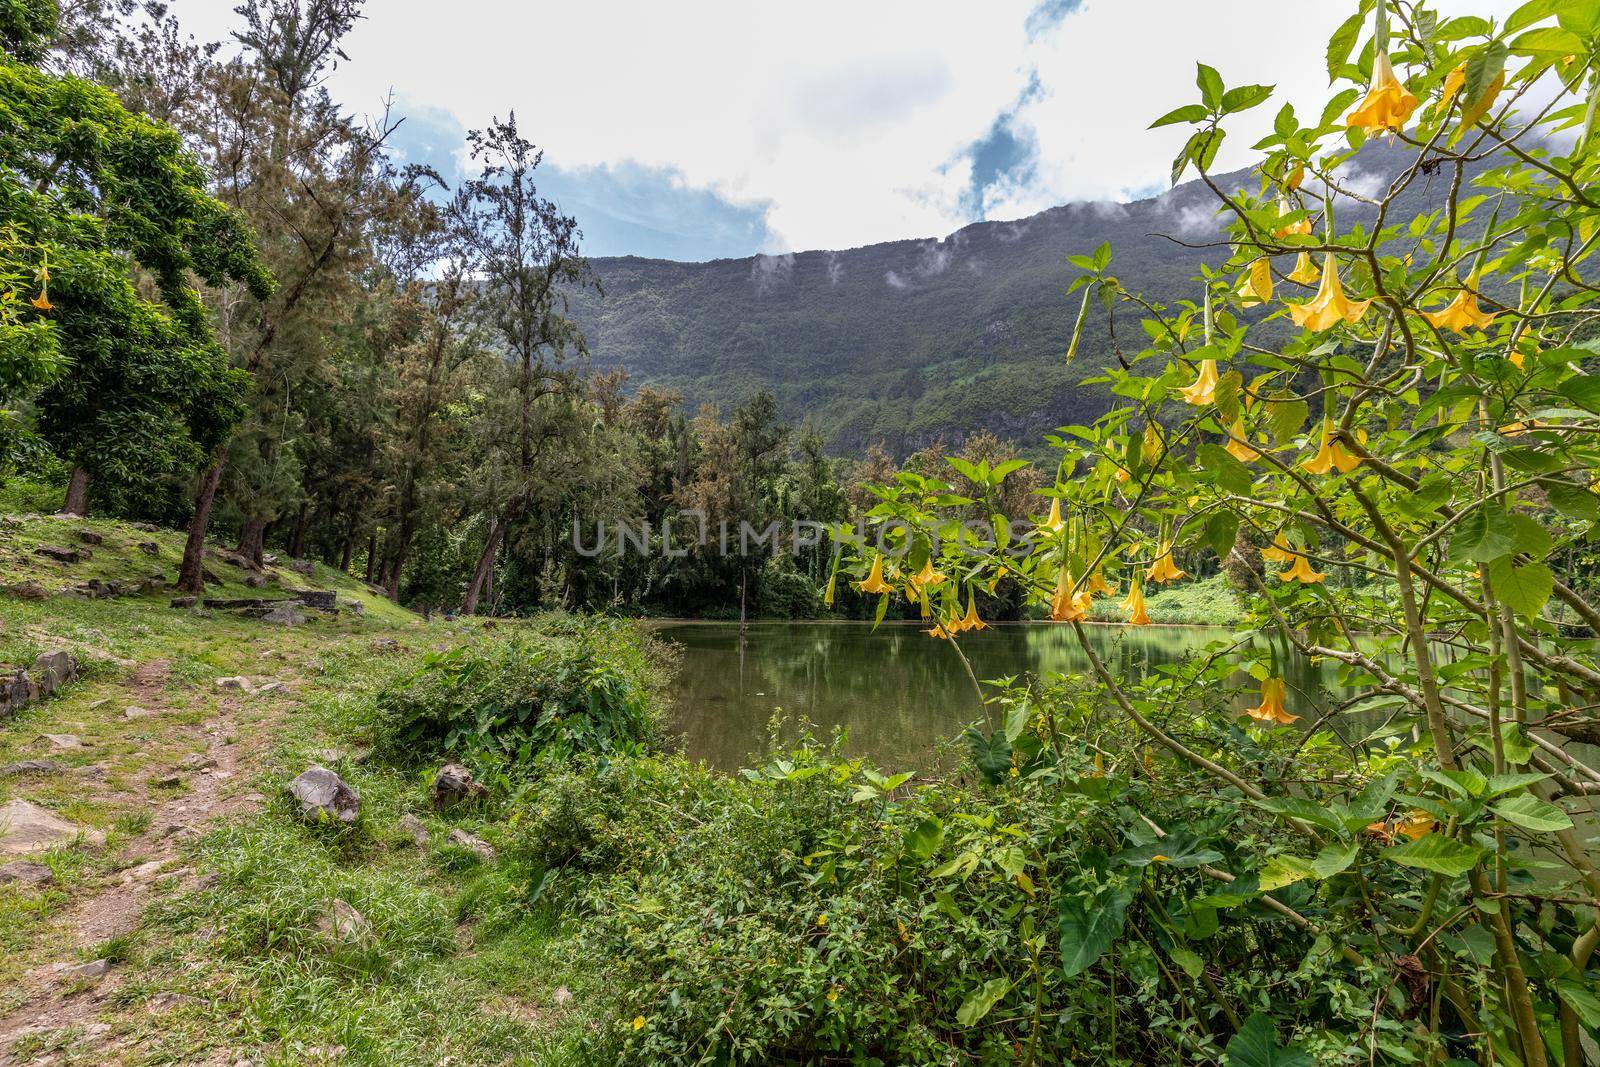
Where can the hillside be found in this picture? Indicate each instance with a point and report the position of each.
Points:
(912, 340)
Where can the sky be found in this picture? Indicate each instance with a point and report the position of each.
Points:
(703, 129)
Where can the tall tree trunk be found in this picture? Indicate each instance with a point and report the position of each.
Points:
(399, 560)
(372, 553)
(191, 575)
(480, 574)
(77, 502)
(349, 549)
(297, 536)
(252, 538)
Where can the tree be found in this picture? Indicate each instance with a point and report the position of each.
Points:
(89, 194)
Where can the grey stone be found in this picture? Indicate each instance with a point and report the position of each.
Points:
(302, 566)
(284, 615)
(63, 555)
(413, 828)
(136, 713)
(386, 645)
(185, 601)
(65, 742)
(26, 827)
(89, 537)
(26, 873)
(86, 971)
(197, 761)
(235, 682)
(29, 766)
(28, 591)
(254, 581)
(52, 670)
(324, 795)
(341, 922)
(478, 845)
(321, 599)
(150, 548)
(454, 785)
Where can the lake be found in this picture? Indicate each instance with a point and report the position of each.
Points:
(897, 691)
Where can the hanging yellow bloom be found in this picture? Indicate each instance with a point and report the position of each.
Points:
(1163, 569)
(1134, 604)
(1064, 606)
(927, 577)
(1517, 359)
(1300, 571)
(1331, 455)
(1471, 111)
(1416, 825)
(1238, 442)
(1298, 228)
(827, 595)
(1099, 766)
(1462, 312)
(1329, 307)
(874, 582)
(42, 302)
(970, 621)
(1054, 523)
(939, 630)
(1203, 391)
(1388, 103)
(1271, 709)
(1279, 552)
(1255, 286)
(1296, 176)
(1305, 273)
(1098, 586)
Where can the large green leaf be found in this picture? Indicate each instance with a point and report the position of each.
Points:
(1177, 849)
(923, 840)
(1437, 853)
(1580, 997)
(981, 1001)
(1523, 589)
(1531, 813)
(1089, 925)
(991, 754)
(1256, 1045)
(1305, 810)
(1486, 533)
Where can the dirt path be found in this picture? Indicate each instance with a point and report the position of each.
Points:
(63, 994)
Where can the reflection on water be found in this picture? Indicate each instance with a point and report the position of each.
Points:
(896, 691)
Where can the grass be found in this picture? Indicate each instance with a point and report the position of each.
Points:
(1204, 602)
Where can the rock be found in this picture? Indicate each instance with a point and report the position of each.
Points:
(454, 785)
(284, 615)
(16, 691)
(136, 713)
(302, 566)
(321, 599)
(65, 742)
(185, 601)
(197, 761)
(386, 645)
(273, 687)
(235, 682)
(26, 828)
(143, 872)
(484, 850)
(341, 922)
(26, 873)
(29, 766)
(145, 527)
(234, 558)
(85, 972)
(324, 795)
(89, 537)
(170, 781)
(353, 606)
(28, 591)
(150, 548)
(52, 670)
(63, 555)
(413, 828)
(269, 559)
(254, 581)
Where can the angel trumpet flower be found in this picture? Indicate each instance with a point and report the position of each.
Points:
(1300, 571)
(927, 577)
(1388, 103)
(1054, 523)
(874, 583)
(1097, 584)
(42, 302)
(1256, 286)
(1134, 603)
(1331, 455)
(1298, 228)
(1279, 552)
(1304, 273)
(1271, 709)
(970, 621)
(1462, 312)
(1203, 390)
(939, 630)
(1064, 605)
(1238, 442)
(1330, 306)
(1163, 569)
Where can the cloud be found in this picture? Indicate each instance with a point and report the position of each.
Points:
(895, 280)
(768, 272)
(1004, 158)
(1049, 14)
(835, 267)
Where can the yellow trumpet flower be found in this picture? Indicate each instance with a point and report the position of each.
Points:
(1296, 176)
(1271, 709)
(939, 630)
(1064, 605)
(1462, 312)
(42, 302)
(1203, 390)
(1388, 103)
(1298, 228)
(1163, 569)
(1054, 523)
(874, 582)
(1331, 455)
(1255, 286)
(1300, 571)
(827, 595)
(927, 577)
(1279, 552)
(1416, 825)
(1238, 442)
(970, 621)
(1135, 606)
(1330, 306)
(1098, 585)
(1304, 273)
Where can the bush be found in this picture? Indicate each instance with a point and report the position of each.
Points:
(577, 686)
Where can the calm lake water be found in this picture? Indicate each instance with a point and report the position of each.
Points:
(897, 691)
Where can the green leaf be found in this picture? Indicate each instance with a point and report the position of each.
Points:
(1017, 719)
(1187, 959)
(1531, 813)
(1089, 925)
(1209, 83)
(1484, 534)
(1484, 67)
(1244, 97)
(1523, 589)
(924, 839)
(1285, 417)
(1529, 13)
(980, 1001)
(963, 864)
(1573, 501)
(1178, 849)
(991, 755)
(1501, 784)
(1231, 475)
(1436, 853)
(1305, 810)
(1335, 859)
(1256, 1045)
(1580, 997)
(1186, 113)
(1548, 44)
(1342, 42)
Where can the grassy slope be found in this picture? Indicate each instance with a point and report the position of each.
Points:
(241, 947)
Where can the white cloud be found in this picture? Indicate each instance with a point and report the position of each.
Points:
(846, 121)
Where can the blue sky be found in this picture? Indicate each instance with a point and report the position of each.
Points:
(722, 128)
